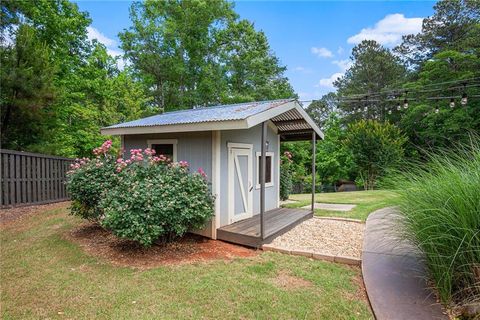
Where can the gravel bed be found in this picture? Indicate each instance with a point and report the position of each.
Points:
(332, 237)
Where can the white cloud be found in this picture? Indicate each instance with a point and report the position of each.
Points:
(93, 33)
(110, 44)
(321, 52)
(302, 70)
(328, 82)
(343, 64)
(389, 30)
(340, 50)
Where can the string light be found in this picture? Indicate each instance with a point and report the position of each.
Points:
(362, 101)
(464, 99)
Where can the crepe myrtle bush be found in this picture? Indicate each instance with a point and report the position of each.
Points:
(89, 179)
(153, 198)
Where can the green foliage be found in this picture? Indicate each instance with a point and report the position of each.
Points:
(193, 53)
(152, 202)
(454, 26)
(144, 198)
(374, 68)
(27, 87)
(286, 183)
(376, 147)
(334, 159)
(58, 88)
(88, 181)
(425, 127)
(301, 156)
(441, 214)
(251, 71)
(320, 110)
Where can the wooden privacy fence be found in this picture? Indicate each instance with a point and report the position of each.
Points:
(32, 178)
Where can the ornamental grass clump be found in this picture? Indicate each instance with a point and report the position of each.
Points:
(440, 204)
(144, 198)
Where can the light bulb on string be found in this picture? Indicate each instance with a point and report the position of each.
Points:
(452, 103)
(464, 100)
(437, 110)
(399, 107)
(389, 111)
(405, 104)
(365, 109)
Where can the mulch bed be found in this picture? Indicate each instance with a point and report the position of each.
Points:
(99, 242)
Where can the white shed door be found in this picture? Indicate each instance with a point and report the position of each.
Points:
(240, 184)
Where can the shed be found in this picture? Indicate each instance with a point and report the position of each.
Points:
(238, 147)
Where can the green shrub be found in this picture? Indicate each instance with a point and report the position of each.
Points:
(88, 180)
(440, 203)
(286, 183)
(376, 147)
(161, 201)
(143, 198)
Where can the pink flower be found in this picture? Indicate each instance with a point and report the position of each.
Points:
(149, 152)
(201, 172)
(183, 164)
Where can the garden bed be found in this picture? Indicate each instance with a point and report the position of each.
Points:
(191, 248)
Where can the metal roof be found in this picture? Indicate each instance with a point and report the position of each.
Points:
(290, 119)
(239, 111)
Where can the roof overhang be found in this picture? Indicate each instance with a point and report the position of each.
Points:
(291, 111)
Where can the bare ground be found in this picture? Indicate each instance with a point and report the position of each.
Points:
(99, 242)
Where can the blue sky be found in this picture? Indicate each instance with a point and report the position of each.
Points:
(313, 39)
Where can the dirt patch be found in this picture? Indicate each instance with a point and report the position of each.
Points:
(13, 214)
(287, 281)
(360, 293)
(99, 242)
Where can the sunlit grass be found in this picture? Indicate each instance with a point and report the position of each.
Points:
(45, 275)
(366, 202)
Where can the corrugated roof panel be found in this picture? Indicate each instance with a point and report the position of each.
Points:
(208, 114)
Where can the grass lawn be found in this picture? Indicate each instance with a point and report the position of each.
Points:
(44, 275)
(366, 201)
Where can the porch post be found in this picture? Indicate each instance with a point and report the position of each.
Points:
(314, 142)
(262, 180)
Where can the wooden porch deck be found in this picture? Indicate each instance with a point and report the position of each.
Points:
(277, 221)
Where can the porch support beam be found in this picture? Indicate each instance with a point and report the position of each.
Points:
(262, 179)
(314, 151)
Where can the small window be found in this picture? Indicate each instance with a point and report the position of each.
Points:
(268, 169)
(166, 147)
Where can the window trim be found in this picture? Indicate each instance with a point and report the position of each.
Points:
(173, 142)
(257, 168)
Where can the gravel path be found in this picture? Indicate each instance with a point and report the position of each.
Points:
(332, 237)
